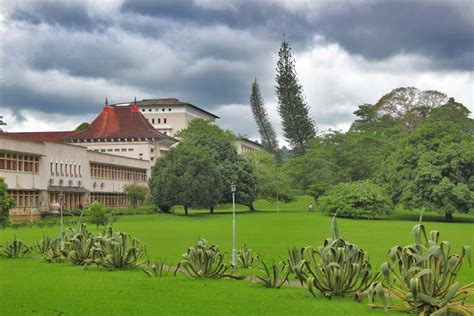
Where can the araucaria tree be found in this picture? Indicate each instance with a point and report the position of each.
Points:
(265, 128)
(298, 126)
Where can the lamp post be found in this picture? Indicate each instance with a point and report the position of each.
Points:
(233, 188)
(61, 196)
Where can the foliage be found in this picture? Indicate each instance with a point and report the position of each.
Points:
(273, 276)
(200, 170)
(6, 203)
(360, 199)
(297, 124)
(246, 257)
(118, 251)
(97, 214)
(186, 176)
(272, 180)
(135, 192)
(45, 245)
(198, 128)
(434, 169)
(155, 269)
(338, 268)
(422, 276)
(296, 263)
(265, 128)
(204, 261)
(14, 250)
(81, 127)
(80, 247)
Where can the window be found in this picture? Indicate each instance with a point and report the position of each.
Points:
(109, 149)
(153, 121)
(25, 198)
(152, 149)
(163, 110)
(105, 171)
(14, 162)
(169, 109)
(130, 149)
(143, 110)
(149, 110)
(124, 149)
(51, 168)
(159, 121)
(116, 149)
(164, 121)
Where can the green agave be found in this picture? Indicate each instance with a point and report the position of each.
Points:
(246, 257)
(156, 269)
(338, 268)
(422, 278)
(204, 261)
(14, 250)
(274, 276)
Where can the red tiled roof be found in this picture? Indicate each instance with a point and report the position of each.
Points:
(40, 136)
(119, 122)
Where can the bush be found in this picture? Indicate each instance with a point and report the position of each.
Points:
(273, 276)
(360, 199)
(97, 214)
(6, 203)
(14, 250)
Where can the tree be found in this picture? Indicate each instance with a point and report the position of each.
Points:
(265, 128)
(135, 192)
(81, 127)
(186, 176)
(6, 203)
(298, 126)
(232, 167)
(271, 179)
(97, 214)
(434, 169)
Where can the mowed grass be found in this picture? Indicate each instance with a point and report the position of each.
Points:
(29, 286)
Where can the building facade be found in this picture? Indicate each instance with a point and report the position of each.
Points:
(171, 115)
(39, 173)
(247, 146)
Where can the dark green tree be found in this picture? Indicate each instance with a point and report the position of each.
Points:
(81, 127)
(298, 126)
(186, 176)
(97, 214)
(135, 192)
(265, 128)
(434, 169)
(6, 203)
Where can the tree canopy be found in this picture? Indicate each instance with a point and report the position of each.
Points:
(6, 203)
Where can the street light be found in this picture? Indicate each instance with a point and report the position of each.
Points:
(233, 188)
(61, 196)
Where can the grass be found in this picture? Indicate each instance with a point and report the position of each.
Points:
(28, 286)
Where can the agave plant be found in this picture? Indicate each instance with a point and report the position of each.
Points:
(14, 250)
(204, 261)
(297, 264)
(45, 245)
(81, 247)
(119, 251)
(273, 276)
(156, 269)
(246, 257)
(338, 268)
(423, 278)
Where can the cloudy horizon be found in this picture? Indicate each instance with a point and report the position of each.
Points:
(60, 60)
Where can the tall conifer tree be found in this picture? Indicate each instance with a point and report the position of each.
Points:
(298, 126)
(265, 128)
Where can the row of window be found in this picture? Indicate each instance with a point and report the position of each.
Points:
(110, 199)
(19, 162)
(102, 171)
(158, 121)
(103, 150)
(65, 169)
(25, 198)
(157, 110)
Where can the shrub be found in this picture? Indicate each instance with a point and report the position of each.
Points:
(338, 268)
(275, 275)
(45, 245)
(422, 276)
(246, 257)
(156, 269)
(14, 250)
(97, 214)
(204, 261)
(360, 199)
(80, 247)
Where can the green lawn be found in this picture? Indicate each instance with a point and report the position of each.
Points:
(29, 286)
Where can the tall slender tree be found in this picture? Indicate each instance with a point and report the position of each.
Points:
(265, 128)
(298, 126)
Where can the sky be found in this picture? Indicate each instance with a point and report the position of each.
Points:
(60, 59)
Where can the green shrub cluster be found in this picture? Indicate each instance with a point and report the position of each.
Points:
(360, 199)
